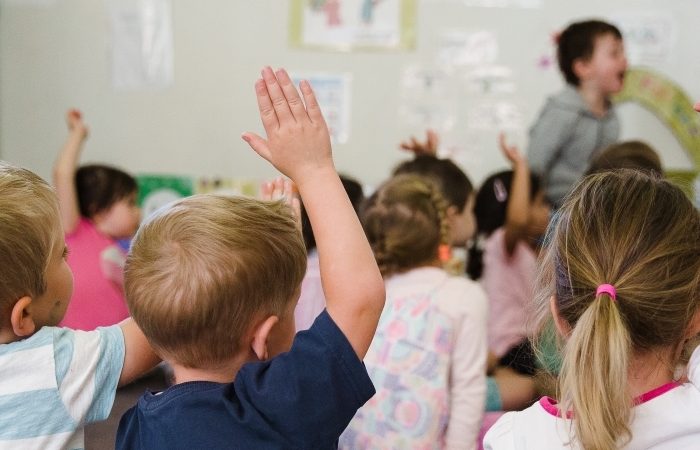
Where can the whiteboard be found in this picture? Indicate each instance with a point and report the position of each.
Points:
(56, 54)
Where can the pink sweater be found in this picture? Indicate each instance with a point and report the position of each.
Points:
(97, 263)
(508, 282)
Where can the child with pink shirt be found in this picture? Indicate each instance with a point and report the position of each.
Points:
(98, 207)
(512, 215)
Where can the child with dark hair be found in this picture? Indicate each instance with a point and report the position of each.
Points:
(579, 120)
(98, 208)
(312, 299)
(635, 155)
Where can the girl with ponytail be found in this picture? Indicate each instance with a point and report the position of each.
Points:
(427, 360)
(619, 276)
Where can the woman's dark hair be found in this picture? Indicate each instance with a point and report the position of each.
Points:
(99, 187)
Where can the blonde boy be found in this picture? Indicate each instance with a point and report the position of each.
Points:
(213, 281)
(52, 380)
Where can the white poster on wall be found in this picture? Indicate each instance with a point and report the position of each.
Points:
(467, 48)
(333, 92)
(649, 36)
(427, 99)
(141, 44)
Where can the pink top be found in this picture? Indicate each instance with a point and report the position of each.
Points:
(508, 282)
(97, 263)
(312, 301)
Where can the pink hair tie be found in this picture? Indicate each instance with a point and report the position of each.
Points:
(607, 289)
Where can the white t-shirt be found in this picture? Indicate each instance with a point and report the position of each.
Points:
(667, 418)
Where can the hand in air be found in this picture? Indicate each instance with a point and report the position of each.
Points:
(298, 142)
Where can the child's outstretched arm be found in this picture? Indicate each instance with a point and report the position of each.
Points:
(139, 357)
(64, 170)
(298, 145)
(519, 198)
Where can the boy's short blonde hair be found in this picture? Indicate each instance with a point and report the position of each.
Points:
(29, 228)
(203, 270)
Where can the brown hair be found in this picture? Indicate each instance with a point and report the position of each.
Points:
(627, 155)
(29, 228)
(642, 235)
(99, 187)
(405, 222)
(577, 41)
(454, 184)
(204, 269)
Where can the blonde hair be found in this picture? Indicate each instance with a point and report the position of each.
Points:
(405, 222)
(29, 228)
(642, 235)
(201, 271)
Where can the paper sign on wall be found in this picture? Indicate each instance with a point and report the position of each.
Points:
(333, 94)
(142, 44)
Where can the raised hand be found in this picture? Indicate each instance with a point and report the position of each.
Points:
(298, 142)
(282, 189)
(74, 120)
(511, 152)
(428, 147)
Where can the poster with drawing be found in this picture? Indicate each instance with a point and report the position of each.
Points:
(347, 25)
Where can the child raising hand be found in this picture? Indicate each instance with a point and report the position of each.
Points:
(98, 208)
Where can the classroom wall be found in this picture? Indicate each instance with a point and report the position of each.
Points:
(55, 54)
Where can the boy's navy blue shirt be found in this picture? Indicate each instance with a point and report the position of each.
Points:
(302, 399)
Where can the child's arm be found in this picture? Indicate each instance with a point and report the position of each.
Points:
(517, 211)
(298, 145)
(64, 171)
(139, 357)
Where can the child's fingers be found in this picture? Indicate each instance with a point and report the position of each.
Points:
(267, 111)
(312, 107)
(266, 191)
(290, 92)
(279, 101)
(258, 144)
(697, 107)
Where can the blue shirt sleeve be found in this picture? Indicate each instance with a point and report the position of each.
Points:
(310, 393)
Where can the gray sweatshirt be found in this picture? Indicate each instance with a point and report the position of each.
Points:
(564, 138)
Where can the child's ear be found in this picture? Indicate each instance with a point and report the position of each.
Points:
(21, 319)
(562, 326)
(581, 68)
(261, 334)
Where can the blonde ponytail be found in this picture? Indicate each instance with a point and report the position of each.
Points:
(593, 378)
(641, 234)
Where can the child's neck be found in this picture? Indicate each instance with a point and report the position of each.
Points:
(224, 373)
(596, 101)
(649, 371)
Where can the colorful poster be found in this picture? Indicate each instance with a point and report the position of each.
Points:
(347, 25)
(141, 44)
(156, 191)
(333, 92)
